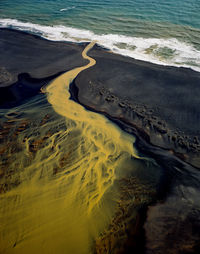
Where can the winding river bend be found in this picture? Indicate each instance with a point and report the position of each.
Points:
(75, 177)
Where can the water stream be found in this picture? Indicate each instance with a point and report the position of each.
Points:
(64, 183)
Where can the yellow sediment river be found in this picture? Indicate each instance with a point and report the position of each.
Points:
(66, 192)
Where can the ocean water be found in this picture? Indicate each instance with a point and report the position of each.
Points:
(164, 32)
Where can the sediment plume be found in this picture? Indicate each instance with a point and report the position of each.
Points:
(63, 184)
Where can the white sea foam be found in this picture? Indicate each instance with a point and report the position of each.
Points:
(68, 8)
(146, 49)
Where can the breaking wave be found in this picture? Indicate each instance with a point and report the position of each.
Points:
(162, 51)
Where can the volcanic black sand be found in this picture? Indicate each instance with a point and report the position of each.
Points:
(162, 101)
(28, 62)
(159, 104)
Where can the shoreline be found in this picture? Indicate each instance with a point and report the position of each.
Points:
(152, 49)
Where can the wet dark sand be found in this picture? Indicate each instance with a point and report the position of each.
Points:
(28, 62)
(158, 104)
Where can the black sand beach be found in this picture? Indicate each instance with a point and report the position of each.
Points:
(162, 101)
(158, 104)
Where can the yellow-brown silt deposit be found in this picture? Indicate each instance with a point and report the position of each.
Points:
(66, 194)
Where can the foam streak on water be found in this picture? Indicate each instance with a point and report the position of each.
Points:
(67, 9)
(162, 51)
